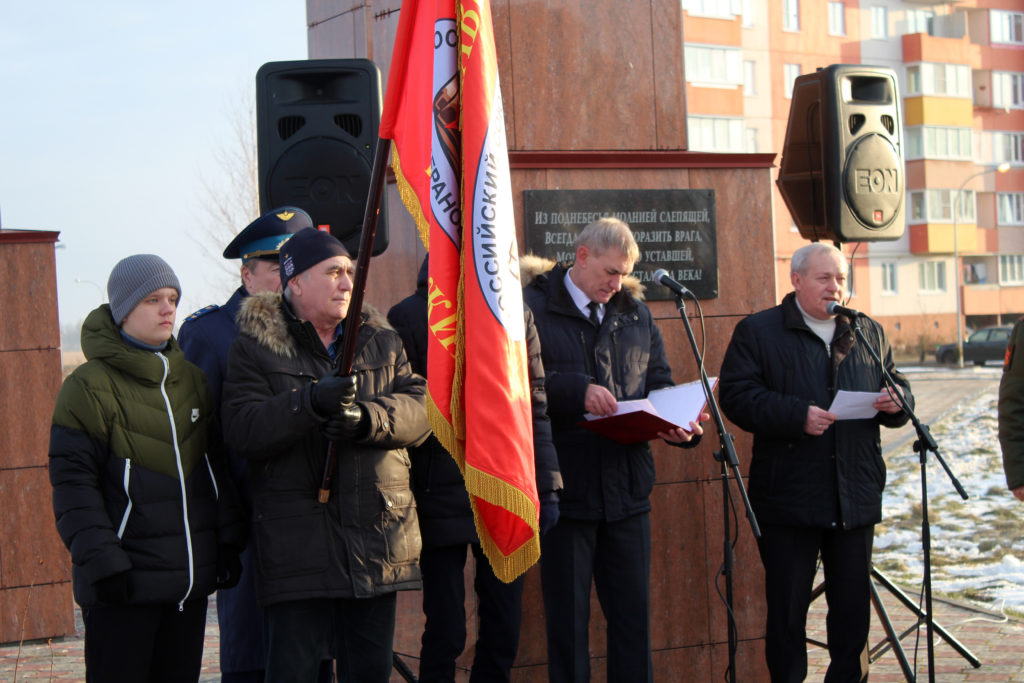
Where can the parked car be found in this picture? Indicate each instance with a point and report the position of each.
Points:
(988, 343)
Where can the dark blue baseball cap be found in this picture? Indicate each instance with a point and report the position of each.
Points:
(306, 249)
(264, 236)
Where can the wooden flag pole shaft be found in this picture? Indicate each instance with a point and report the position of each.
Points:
(355, 309)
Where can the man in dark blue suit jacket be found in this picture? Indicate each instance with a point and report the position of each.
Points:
(206, 336)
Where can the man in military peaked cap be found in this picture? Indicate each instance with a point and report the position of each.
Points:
(205, 336)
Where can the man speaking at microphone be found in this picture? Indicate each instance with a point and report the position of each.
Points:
(815, 481)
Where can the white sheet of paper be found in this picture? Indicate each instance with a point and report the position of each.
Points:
(679, 404)
(854, 405)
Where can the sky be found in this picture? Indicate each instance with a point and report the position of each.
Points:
(112, 114)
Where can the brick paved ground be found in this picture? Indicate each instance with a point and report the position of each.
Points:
(997, 641)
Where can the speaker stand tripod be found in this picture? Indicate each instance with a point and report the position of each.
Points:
(893, 640)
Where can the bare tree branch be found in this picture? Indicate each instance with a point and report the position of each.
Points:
(231, 201)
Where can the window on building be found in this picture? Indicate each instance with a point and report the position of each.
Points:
(929, 78)
(918, 208)
(1011, 208)
(1006, 27)
(879, 22)
(918, 20)
(790, 72)
(936, 142)
(749, 78)
(1011, 269)
(723, 9)
(713, 66)
(791, 15)
(1008, 89)
(714, 134)
(936, 206)
(747, 7)
(931, 276)
(940, 205)
(889, 281)
(751, 146)
(1008, 146)
(836, 19)
(912, 80)
(967, 205)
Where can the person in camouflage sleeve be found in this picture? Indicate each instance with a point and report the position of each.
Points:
(1011, 413)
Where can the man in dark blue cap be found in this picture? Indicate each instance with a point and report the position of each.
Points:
(329, 570)
(206, 336)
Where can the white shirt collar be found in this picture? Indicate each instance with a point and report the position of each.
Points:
(580, 299)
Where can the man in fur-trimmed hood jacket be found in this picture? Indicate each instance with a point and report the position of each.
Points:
(326, 572)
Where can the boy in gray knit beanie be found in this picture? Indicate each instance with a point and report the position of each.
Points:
(133, 278)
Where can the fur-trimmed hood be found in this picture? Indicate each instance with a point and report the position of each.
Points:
(265, 317)
(531, 265)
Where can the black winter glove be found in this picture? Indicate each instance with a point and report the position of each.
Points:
(332, 394)
(113, 590)
(548, 511)
(352, 423)
(229, 567)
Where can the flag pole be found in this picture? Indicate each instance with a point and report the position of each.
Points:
(355, 309)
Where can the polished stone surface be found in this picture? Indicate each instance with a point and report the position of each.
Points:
(31, 379)
(35, 588)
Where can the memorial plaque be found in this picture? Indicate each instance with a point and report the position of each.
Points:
(675, 230)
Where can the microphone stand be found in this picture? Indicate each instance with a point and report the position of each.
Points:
(727, 457)
(923, 445)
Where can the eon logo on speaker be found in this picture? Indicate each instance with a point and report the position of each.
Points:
(877, 179)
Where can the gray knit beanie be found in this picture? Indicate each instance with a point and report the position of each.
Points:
(133, 278)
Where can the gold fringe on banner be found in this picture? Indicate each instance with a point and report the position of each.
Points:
(409, 198)
(445, 433)
(498, 492)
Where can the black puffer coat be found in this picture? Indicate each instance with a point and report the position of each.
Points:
(441, 499)
(603, 479)
(364, 542)
(138, 473)
(774, 369)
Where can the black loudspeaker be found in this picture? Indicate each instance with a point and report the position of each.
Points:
(842, 174)
(316, 128)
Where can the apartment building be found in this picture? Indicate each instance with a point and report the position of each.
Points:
(960, 66)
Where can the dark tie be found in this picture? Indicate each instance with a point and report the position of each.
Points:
(593, 306)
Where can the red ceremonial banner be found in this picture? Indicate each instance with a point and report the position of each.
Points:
(444, 113)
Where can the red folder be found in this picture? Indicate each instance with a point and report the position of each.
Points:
(662, 410)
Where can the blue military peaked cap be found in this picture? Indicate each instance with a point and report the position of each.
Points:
(264, 236)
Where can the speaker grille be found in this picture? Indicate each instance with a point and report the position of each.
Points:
(856, 122)
(288, 126)
(889, 124)
(350, 123)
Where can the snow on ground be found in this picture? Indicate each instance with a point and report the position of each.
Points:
(977, 549)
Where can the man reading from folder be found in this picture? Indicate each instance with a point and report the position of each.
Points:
(600, 345)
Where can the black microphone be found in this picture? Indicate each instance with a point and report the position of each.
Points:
(661, 276)
(834, 308)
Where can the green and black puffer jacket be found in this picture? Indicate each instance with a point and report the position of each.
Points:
(137, 470)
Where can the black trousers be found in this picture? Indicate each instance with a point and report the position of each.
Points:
(499, 614)
(616, 557)
(137, 643)
(790, 556)
(358, 631)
